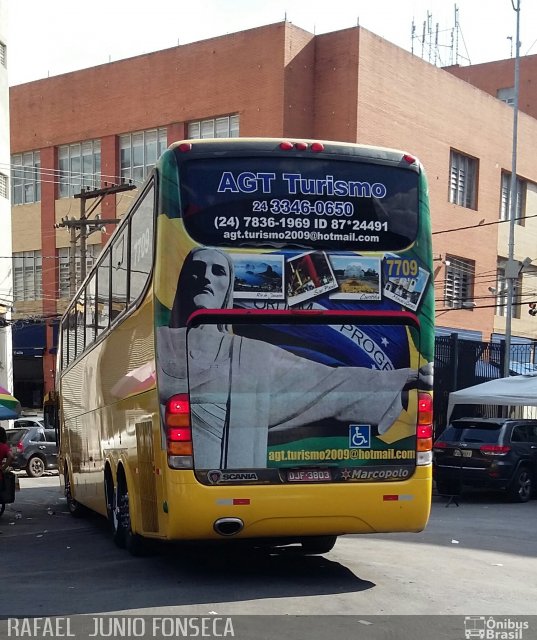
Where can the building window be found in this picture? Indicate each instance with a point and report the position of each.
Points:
(505, 198)
(224, 127)
(463, 180)
(139, 153)
(27, 280)
(3, 186)
(64, 284)
(79, 167)
(3, 54)
(506, 95)
(25, 177)
(459, 283)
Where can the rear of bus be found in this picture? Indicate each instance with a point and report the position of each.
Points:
(294, 339)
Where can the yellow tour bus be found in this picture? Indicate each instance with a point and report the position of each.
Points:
(250, 358)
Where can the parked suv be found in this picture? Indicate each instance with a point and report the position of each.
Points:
(34, 448)
(494, 453)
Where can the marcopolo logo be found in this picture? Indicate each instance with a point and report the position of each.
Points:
(216, 476)
(494, 628)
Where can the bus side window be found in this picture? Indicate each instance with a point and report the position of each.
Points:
(119, 274)
(65, 344)
(103, 294)
(90, 310)
(80, 323)
(141, 249)
(72, 334)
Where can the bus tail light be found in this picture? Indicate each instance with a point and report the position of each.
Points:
(424, 429)
(179, 432)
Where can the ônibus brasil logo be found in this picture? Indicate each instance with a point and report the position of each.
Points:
(491, 628)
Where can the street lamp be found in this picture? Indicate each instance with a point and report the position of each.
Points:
(512, 267)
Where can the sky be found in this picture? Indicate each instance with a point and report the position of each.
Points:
(50, 38)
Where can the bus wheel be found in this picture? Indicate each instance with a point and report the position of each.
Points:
(123, 534)
(75, 508)
(318, 544)
(110, 498)
(120, 518)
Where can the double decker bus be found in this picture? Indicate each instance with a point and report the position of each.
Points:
(250, 357)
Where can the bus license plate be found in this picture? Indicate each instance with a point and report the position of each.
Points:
(309, 475)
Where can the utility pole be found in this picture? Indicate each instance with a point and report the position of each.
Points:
(72, 252)
(512, 268)
(83, 236)
(86, 226)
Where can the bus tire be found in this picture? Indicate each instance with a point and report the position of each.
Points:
(75, 508)
(110, 499)
(124, 537)
(318, 544)
(120, 515)
(136, 544)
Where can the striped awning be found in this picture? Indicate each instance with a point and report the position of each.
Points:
(10, 407)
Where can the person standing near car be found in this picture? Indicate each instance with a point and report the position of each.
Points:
(6, 457)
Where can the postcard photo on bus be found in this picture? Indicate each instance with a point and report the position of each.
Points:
(405, 282)
(358, 277)
(308, 275)
(258, 276)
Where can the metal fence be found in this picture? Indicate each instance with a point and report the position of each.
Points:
(459, 364)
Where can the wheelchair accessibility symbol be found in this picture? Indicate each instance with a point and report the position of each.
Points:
(359, 436)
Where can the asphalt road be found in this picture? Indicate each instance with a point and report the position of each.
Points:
(478, 558)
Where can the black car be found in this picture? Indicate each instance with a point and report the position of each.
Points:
(491, 453)
(34, 448)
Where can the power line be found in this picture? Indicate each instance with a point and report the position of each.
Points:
(484, 224)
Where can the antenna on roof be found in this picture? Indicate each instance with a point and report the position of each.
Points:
(434, 41)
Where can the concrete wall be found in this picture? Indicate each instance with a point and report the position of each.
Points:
(491, 76)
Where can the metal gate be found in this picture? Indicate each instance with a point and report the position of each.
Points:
(459, 364)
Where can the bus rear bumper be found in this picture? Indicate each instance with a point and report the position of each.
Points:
(197, 512)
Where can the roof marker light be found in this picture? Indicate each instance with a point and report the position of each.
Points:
(317, 147)
(286, 145)
(301, 146)
(185, 147)
(409, 159)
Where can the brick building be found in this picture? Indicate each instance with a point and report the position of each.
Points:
(110, 122)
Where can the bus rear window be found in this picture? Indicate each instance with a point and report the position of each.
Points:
(307, 203)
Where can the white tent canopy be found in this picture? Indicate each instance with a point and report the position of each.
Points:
(515, 390)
